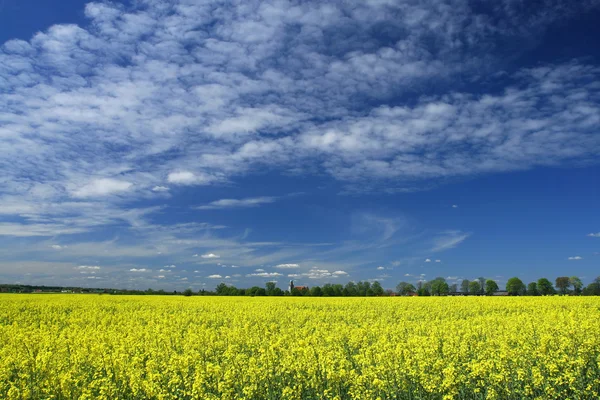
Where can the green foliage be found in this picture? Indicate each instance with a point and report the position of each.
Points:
(544, 287)
(490, 287)
(377, 289)
(577, 284)
(562, 284)
(439, 286)
(532, 289)
(474, 287)
(464, 286)
(515, 287)
(405, 288)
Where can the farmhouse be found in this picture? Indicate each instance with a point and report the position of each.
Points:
(301, 288)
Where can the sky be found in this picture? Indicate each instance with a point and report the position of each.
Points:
(183, 143)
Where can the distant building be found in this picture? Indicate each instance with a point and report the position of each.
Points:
(300, 288)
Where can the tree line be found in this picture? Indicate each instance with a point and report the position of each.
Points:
(435, 287)
(563, 285)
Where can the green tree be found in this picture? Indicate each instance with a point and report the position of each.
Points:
(515, 287)
(222, 289)
(481, 280)
(532, 289)
(563, 284)
(593, 289)
(351, 289)
(363, 288)
(338, 290)
(490, 287)
(316, 291)
(377, 289)
(544, 287)
(405, 288)
(464, 286)
(474, 287)
(577, 284)
(270, 288)
(188, 292)
(423, 291)
(439, 286)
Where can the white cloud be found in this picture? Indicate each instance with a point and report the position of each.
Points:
(339, 273)
(237, 203)
(129, 102)
(438, 261)
(160, 189)
(259, 270)
(95, 267)
(380, 268)
(594, 235)
(170, 266)
(190, 178)
(57, 247)
(215, 276)
(427, 260)
(576, 258)
(448, 240)
(287, 266)
(293, 275)
(27, 230)
(160, 276)
(454, 206)
(102, 187)
(265, 274)
(139, 270)
(210, 255)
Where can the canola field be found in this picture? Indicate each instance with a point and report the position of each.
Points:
(155, 347)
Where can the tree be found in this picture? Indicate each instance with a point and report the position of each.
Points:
(593, 289)
(405, 288)
(453, 288)
(464, 286)
(481, 283)
(439, 286)
(350, 288)
(515, 287)
(363, 288)
(490, 287)
(563, 284)
(532, 289)
(423, 291)
(270, 288)
(577, 284)
(377, 289)
(188, 292)
(544, 287)
(316, 291)
(256, 291)
(474, 287)
(222, 289)
(338, 290)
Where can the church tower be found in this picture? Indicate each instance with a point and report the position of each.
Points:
(291, 286)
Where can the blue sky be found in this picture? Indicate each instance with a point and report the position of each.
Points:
(175, 144)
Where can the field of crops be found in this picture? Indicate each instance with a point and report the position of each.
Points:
(111, 347)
